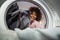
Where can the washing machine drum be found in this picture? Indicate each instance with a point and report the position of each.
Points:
(13, 17)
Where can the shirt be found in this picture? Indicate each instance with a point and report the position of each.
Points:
(35, 24)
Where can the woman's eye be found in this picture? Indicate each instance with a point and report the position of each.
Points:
(34, 16)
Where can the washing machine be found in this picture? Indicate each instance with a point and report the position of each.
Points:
(51, 20)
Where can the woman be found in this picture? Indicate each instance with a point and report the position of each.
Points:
(35, 17)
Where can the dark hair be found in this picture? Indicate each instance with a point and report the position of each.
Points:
(37, 11)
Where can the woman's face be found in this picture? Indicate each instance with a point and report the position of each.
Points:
(33, 16)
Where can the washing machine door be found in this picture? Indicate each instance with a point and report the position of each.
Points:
(51, 9)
